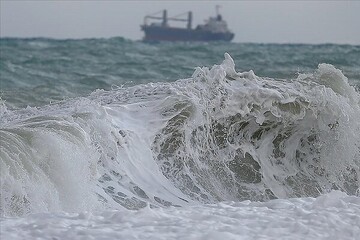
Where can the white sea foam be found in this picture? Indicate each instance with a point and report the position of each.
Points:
(331, 216)
(196, 144)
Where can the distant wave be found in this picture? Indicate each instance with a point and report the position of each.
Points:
(39, 71)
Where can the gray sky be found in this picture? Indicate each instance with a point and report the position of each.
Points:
(251, 21)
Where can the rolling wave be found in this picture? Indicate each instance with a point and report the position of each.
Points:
(220, 135)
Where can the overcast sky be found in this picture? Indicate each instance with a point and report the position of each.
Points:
(251, 21)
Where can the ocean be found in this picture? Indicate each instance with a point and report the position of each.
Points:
(121, 139)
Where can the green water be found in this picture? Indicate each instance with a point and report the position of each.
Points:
(39, 71)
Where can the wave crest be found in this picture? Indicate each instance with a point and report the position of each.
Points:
(219, 135)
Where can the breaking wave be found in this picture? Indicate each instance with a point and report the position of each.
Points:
(217, 136)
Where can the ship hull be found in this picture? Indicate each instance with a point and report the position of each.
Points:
(157, 33)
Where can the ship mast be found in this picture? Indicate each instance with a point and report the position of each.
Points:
(165, 19)
(217, 7)
(218, 16)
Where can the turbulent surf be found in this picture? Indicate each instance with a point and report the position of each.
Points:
(119, 139)
(220, 135)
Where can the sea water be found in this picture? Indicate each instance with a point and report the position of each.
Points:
(112, 138)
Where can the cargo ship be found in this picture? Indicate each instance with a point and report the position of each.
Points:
(214, 29)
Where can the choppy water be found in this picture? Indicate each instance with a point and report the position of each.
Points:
(37, 71)
(112, 123)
